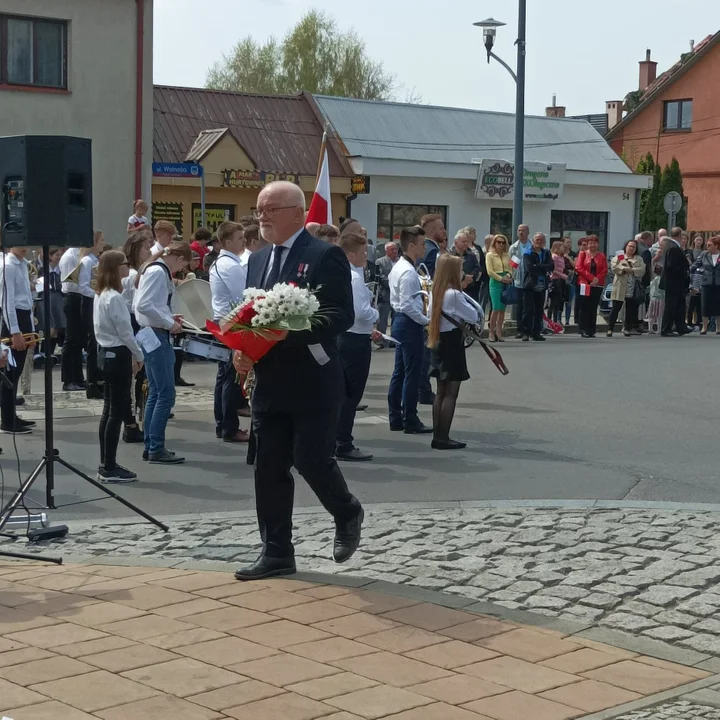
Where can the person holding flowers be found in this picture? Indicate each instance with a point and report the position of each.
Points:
(227, 285)
(299, 380)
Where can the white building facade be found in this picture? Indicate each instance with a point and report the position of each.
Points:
(421, 159)
(83, 68)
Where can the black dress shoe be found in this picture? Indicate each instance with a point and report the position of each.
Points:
(360, 408)
(24, 423)
(447, 445)
(266, 567)
(396, 428)
(347, 538)
(418, 430)
(183, 383)
(19, 401)
(354, 455)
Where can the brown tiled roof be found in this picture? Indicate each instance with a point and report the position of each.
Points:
(664, 80)
(279, 133)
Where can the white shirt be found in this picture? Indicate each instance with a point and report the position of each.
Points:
(458, 307)
(228, 277)
(365, 314)
(68, 262)
(404, 283)
(137, 221)
(151, 305)
(283, 259)
(111, 320)
(85, 275)
(245, 257)
(714, 258)
(156, 248)
(15, 293)
(129, 288)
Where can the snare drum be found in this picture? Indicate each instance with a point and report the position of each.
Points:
(209, 349)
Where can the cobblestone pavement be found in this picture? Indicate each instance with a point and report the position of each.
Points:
(681, 710)
(650, 573)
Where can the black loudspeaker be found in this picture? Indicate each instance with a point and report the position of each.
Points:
(46, 191)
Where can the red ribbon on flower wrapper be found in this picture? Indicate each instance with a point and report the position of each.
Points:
(256, 344)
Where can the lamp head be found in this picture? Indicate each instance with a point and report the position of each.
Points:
(489, 27)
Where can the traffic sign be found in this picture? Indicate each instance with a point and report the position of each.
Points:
(673, 202)
(181, 170)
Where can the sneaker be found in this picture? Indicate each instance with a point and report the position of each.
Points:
(165, 457)
(118, 474)
(24, 423)
(133, 435)
(525, 338)
(146, 455)
(15, 430)
(519, 336)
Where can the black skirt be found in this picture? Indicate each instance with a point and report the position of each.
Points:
(448, 357)
(711, 301)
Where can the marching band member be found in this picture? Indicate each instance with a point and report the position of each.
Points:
(409, 329)
(119, 357)
(89, 259)
(57, 312)
(75, 335)
(154, 314)
(449, 366)
(355, 347)
(17, 303)
(227, 284)
(165, 232)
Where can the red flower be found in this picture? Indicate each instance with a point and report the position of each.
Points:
(245, 316)
(292, 284)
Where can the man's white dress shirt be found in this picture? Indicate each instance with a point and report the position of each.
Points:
(288, 246)
(404, 282)
(228, 277)
(68, 262)
(85, 275)
(365, 314)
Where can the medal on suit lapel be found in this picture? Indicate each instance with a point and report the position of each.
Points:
(302, 271)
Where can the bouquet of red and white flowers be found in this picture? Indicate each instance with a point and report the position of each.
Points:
(264, 318)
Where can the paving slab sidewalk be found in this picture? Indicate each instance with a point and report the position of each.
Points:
(82, 641)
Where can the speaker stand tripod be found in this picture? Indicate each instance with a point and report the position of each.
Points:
(51, 456)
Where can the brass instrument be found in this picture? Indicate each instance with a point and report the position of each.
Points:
(30, 338)
(73, 276)
(93, 277)
(426, 285)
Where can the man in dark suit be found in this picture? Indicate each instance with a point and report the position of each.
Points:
(299, 385)
(674, 281)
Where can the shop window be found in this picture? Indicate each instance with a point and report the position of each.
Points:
(678, 115)
(393, 218)
(214, 215)
(501, 223)
(33, 52)
(579, 223)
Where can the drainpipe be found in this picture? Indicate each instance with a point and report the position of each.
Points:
(348, 204)
(139, 87)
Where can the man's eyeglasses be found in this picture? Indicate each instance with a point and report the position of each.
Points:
(271, 212)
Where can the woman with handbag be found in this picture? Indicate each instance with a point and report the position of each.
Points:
(497, 265)
(119, 357)
(709, 263)
(628, 269)
(448, 308)
(592, 269)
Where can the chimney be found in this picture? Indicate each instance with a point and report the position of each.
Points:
(648, 71)
(692, 46)
(614, 110)
(555, 110)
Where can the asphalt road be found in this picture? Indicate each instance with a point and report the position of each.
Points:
(622, 419)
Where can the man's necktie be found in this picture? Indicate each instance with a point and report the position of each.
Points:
(274, 275)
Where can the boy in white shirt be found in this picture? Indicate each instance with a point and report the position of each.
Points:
(355, 347)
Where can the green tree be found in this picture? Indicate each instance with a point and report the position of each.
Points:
(315, 56)
(652, 218)
(672, 181)
(632, 100)
(646, 166)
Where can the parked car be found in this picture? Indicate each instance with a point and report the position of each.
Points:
(605, 301)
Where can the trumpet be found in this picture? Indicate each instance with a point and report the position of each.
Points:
(73, 276)
(426, 285)
(30, 338)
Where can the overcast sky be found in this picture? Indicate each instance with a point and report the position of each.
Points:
(586, 52)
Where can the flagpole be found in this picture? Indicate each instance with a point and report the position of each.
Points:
(323, 145)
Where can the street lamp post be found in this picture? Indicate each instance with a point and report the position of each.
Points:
(490, 27)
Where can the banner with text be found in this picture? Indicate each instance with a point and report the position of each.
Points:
(542, 181)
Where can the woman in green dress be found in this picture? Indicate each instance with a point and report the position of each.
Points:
(497, 263)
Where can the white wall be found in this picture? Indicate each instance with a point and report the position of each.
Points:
(464, 209)
(100, 103)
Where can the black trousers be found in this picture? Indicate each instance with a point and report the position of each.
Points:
(355, 356)
(227, 399)
(307, 441)
(674, 314)
(116, 366)
(94, 374)
(631, 313)
(520, 314)
(588, 307)
(8, 396)
(694, 313)
(533, 302)
(75, 340)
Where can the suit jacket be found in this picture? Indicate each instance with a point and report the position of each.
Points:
(303, 372)
(537, 265)
(676, 271)
(384, 266)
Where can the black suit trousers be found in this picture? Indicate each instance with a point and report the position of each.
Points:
(674, 313)
(355, 356)
(75, 340)
(305, 439)
(8, 396)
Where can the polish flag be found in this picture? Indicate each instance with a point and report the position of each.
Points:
(584, 290)
(321, 205)
(514, 262)
(620, 255)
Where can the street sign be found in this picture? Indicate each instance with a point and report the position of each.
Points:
(177, 170)
(673, 202)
